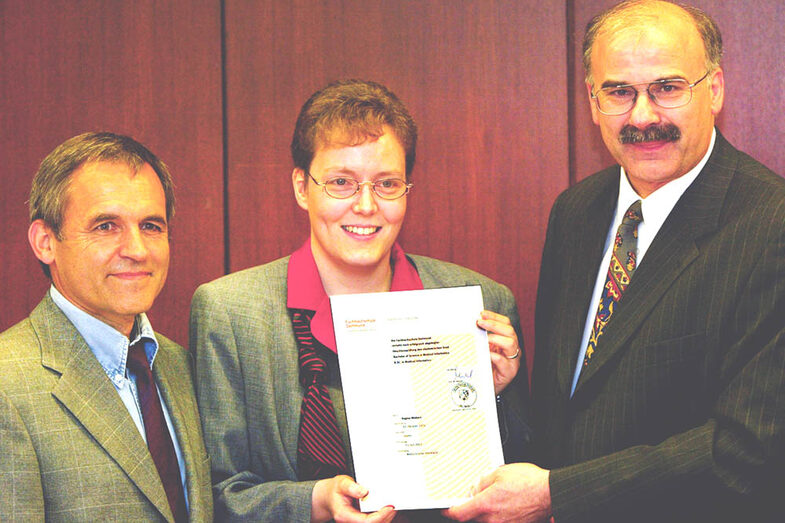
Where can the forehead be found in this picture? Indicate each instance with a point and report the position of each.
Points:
(347, 134)
(348, 144)
(115, 185)
(648, 47)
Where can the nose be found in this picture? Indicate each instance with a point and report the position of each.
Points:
(365, 200)
(644, 111)
(133, 245)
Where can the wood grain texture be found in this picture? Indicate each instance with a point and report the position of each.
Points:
(754, 82)
(149, 69)
(496, 87)
(484, 80)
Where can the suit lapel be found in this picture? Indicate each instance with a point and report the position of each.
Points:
(178, 395)
(674, 248)
(88, 394)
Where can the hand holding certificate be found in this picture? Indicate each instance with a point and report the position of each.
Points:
(419, 395)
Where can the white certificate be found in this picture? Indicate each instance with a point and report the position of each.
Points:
(418, 390)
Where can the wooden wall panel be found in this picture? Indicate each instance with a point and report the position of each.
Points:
(495, 85)
(754, 82)
(150, 69)
(486, 82)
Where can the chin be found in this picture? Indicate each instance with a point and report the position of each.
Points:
(364, 261)
(362, 264)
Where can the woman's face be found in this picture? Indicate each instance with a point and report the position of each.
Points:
(353, 235)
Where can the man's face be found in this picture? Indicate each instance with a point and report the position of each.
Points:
(354, 235)
(113, 258)
(672, 48)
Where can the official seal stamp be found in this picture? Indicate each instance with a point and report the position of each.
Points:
(463, 394)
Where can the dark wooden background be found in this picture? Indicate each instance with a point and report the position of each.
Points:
(213, 87)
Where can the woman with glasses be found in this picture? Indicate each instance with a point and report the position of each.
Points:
(268, 382)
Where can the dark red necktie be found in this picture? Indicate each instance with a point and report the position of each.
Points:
(159, 441)
(320, 452)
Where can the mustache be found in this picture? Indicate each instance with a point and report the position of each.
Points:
(654, 133)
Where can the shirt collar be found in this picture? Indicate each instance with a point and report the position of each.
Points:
(109, 345)
(305, 289)
(657, 206)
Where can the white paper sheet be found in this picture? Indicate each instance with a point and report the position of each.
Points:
(418, 390)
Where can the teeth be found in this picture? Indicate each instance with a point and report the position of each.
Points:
(354, 229)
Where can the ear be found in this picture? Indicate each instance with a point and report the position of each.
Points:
(717, 86)
(595, 113)
(42, 239)
(300, 185)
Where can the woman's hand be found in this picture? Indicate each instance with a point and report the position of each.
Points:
(506, 354)
(336, 499)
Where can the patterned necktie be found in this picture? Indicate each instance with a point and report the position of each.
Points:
(622, 266)
(159, 441)
(320, 452)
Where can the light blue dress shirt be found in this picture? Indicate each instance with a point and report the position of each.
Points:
(111, 350)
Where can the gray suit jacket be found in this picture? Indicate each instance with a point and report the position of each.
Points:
(70, 450)
(681, 414)
(250, 396)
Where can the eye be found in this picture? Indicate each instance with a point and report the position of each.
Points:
(670, 87)
(105, 227)
(341, 182)
(389, 183)
(620, 92)
(152, 227)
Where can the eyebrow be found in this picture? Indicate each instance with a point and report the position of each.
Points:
(613, 83)
(348, 172)
(156, 218)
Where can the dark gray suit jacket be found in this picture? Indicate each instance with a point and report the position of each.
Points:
(69, 450)
(681, 414)
(249, 393)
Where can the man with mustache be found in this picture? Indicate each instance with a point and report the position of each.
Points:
(98, 418)
(659, 374)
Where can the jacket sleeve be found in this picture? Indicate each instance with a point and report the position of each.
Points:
(513, 402)
(734, 461)
(241, 490)
(21, 494)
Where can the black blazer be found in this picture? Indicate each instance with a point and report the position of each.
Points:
(681, 414)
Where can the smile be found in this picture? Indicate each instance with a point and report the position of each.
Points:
(361, 230)
(131, 275)
(649, 146)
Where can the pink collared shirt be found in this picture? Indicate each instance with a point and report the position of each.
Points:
(305, 290)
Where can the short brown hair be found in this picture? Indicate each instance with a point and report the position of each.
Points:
(619, 16)
(48, 195)
(351, 110)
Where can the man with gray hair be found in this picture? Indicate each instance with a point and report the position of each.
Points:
(98, 418)
(659, 374)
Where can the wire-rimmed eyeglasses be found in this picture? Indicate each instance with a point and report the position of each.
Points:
(343, 187)
(668, 93)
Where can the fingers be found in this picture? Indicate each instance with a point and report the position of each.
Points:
(496, 323)
(495, 316)
(468, 511)
(383, 515)
(344, 510)
(475, 507)
(486, 481)
(504, 370)
(501, 335)
(336, 499)
(503, 344)
(348, 487)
